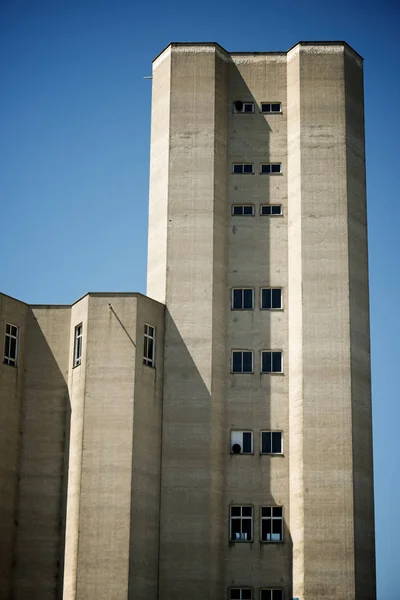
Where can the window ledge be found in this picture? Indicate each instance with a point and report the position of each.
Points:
(241, 453)
(243, 373)
(8, 365)
(267, 373)
(281, 455)
(274, 542)
(273, 309)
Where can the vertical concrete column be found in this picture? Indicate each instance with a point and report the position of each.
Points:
(326, 462)
(195, 337)
(76, 385)
(11, 393)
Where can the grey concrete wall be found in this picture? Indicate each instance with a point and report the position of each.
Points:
(159, 179)
(324, 347)
(112, 535)
(146, 458)
(11, 389)
(257, 257)
(76, 387)
(195, 345)
(363, 492)
(45, 411)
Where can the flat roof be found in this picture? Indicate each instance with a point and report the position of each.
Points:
(300, 43)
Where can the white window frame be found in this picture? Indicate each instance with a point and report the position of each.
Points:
(272, 518)
(270, 590)
(12, 361)
(241, 590)
(270, 289)
(270, 112)
(242, 290)
(242, 172)
(270, 165)
(271, 214)
(243, 111)
(237, 438)
(252, 362)
(242, 518)
(78, 342)
(242, 206)
(149, 334)
(271, 352)
(270, 431)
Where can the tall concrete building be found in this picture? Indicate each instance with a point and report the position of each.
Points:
(211, 440)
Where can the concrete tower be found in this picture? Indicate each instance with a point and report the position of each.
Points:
(258, 249)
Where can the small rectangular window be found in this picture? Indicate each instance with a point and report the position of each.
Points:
(243, 107)
(272, 524)
(149, 350)
(271, 361)
(241, 523)
(78, 345)
(243, 168)
(246, 210)
(242, 361)
(271, 107)
(240, 594)
(11, 345)
(268, 168)
(242, 299)
(271, 594)
(271, 442)
(271, 298)
(241, 442)
(271, 209)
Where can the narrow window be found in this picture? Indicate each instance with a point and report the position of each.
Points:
(243, 107)
(271, 594)
(271, 168)
(271, 442)
(241, 523)
(243, 168)
(271, 210)
(241, 442)
(271, 298)
(272, 524)
(78, 345)
(271, 107)
(240, 594)
(271, 361)
(242, 361)
(149, 351)
(242, 299)
(11, 345)
(246, 210)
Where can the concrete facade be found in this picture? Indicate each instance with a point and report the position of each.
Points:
(118, 477)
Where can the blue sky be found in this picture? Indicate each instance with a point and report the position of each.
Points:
(74, 161)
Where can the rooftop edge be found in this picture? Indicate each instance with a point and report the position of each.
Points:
(300, 43)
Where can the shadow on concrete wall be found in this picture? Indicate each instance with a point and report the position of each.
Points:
(43, 470)
(274, 560)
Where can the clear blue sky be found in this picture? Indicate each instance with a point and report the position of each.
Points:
(74, 164)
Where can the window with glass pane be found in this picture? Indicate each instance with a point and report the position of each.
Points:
(243, 168)
(271, 594)
(271, 442)
(242, 299)
(11, 345)
(246, 210)
(240, 594)
(271, 361)
(242, 361)
(241, 523)
(271, 298)
(271, 168)
(78, 345)
(271, 107)
(149, 346)
(241, 442)
(271, 523)
(271, 209)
